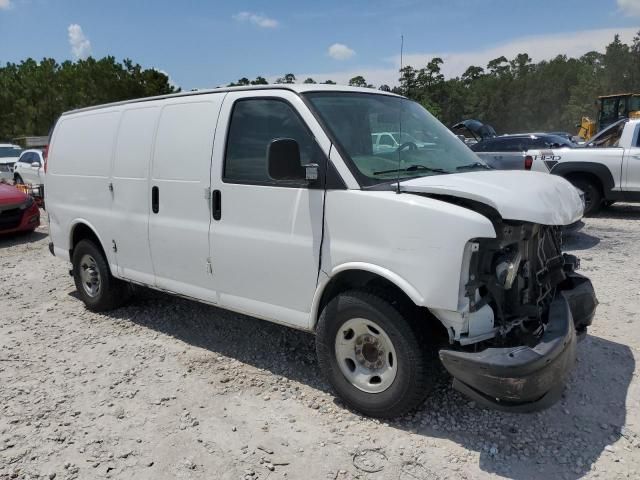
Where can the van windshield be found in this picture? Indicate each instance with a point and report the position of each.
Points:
(360, 123)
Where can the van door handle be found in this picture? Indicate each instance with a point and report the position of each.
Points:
(216, 204)
(155, 199)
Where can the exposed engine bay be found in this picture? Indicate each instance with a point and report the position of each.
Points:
(517, 274)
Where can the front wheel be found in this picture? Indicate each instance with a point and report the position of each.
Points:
(97, 288)
(592, 195)
(18, 180)
(373, 354)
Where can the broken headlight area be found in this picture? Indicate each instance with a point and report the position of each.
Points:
(517, 274)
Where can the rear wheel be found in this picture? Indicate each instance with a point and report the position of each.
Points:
(592, 195)
(373, 354)
(97, 288)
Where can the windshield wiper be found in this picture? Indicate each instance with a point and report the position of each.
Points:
(411, 168)
(472, 166)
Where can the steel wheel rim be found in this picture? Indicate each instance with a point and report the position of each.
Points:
(366, 356)
(90, 275)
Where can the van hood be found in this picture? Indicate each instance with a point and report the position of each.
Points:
(534, 197)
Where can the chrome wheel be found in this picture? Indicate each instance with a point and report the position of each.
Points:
(366, 355)
(89, 275)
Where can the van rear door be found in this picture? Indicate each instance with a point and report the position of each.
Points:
(266, 234)
(180, 176)
(130, 186)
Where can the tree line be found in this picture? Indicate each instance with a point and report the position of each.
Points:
(513, 95)
(34, 94)
(516, 95)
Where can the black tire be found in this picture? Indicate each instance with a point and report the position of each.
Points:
(112, 293)
(18, 179)
(414, 377)
(592, 195)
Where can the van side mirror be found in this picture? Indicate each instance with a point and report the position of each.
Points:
(283, 160)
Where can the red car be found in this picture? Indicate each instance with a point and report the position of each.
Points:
(18, 211)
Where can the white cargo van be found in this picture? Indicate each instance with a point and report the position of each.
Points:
(273, 202)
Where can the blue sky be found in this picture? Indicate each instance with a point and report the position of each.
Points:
(209, 43)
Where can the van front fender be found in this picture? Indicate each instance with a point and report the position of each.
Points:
(325, 279)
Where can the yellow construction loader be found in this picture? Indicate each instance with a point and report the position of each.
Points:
(611, 108)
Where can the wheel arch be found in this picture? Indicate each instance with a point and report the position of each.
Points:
(595, 171)
(361, 275)
(83, 230)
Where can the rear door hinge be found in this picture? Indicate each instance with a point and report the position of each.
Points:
(207, 193)
(114, 247)
(209, 266)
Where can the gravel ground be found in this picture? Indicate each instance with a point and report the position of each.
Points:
(168, 388)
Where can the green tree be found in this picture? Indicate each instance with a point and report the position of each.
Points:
(33, 94)
(288, 78)
(358, 81)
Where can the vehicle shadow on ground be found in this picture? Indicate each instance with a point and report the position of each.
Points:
(562, 441)
(627, 211)
(14, 239)
(579, 240)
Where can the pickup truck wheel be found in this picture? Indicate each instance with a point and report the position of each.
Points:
(97, 288)
(592, 195)
(373, 355)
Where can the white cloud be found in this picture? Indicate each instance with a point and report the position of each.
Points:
(256, 19)
(630, 7)
(340, 51)
(5, 4)
(80, 44)
(539, 47)
(170, 80)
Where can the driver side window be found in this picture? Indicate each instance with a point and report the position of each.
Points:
(255, 123)
(27, 158)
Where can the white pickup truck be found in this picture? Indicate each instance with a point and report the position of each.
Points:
(606, 169)
(273, 201)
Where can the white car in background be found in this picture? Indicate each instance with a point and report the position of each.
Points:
(390, 142)
(29, 168)
(9, 155)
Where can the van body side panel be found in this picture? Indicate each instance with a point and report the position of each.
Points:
(131, 199)
(78, 176)
(180, 173)
(424, 255)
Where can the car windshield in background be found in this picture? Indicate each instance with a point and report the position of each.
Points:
(9, 152)
(387, 137)
(609, 137)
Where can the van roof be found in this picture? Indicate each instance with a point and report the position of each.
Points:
(294, 87)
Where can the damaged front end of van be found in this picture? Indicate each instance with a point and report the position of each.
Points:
(541, 307)
(522, 304)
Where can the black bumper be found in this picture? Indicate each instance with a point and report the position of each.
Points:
(522, 378)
